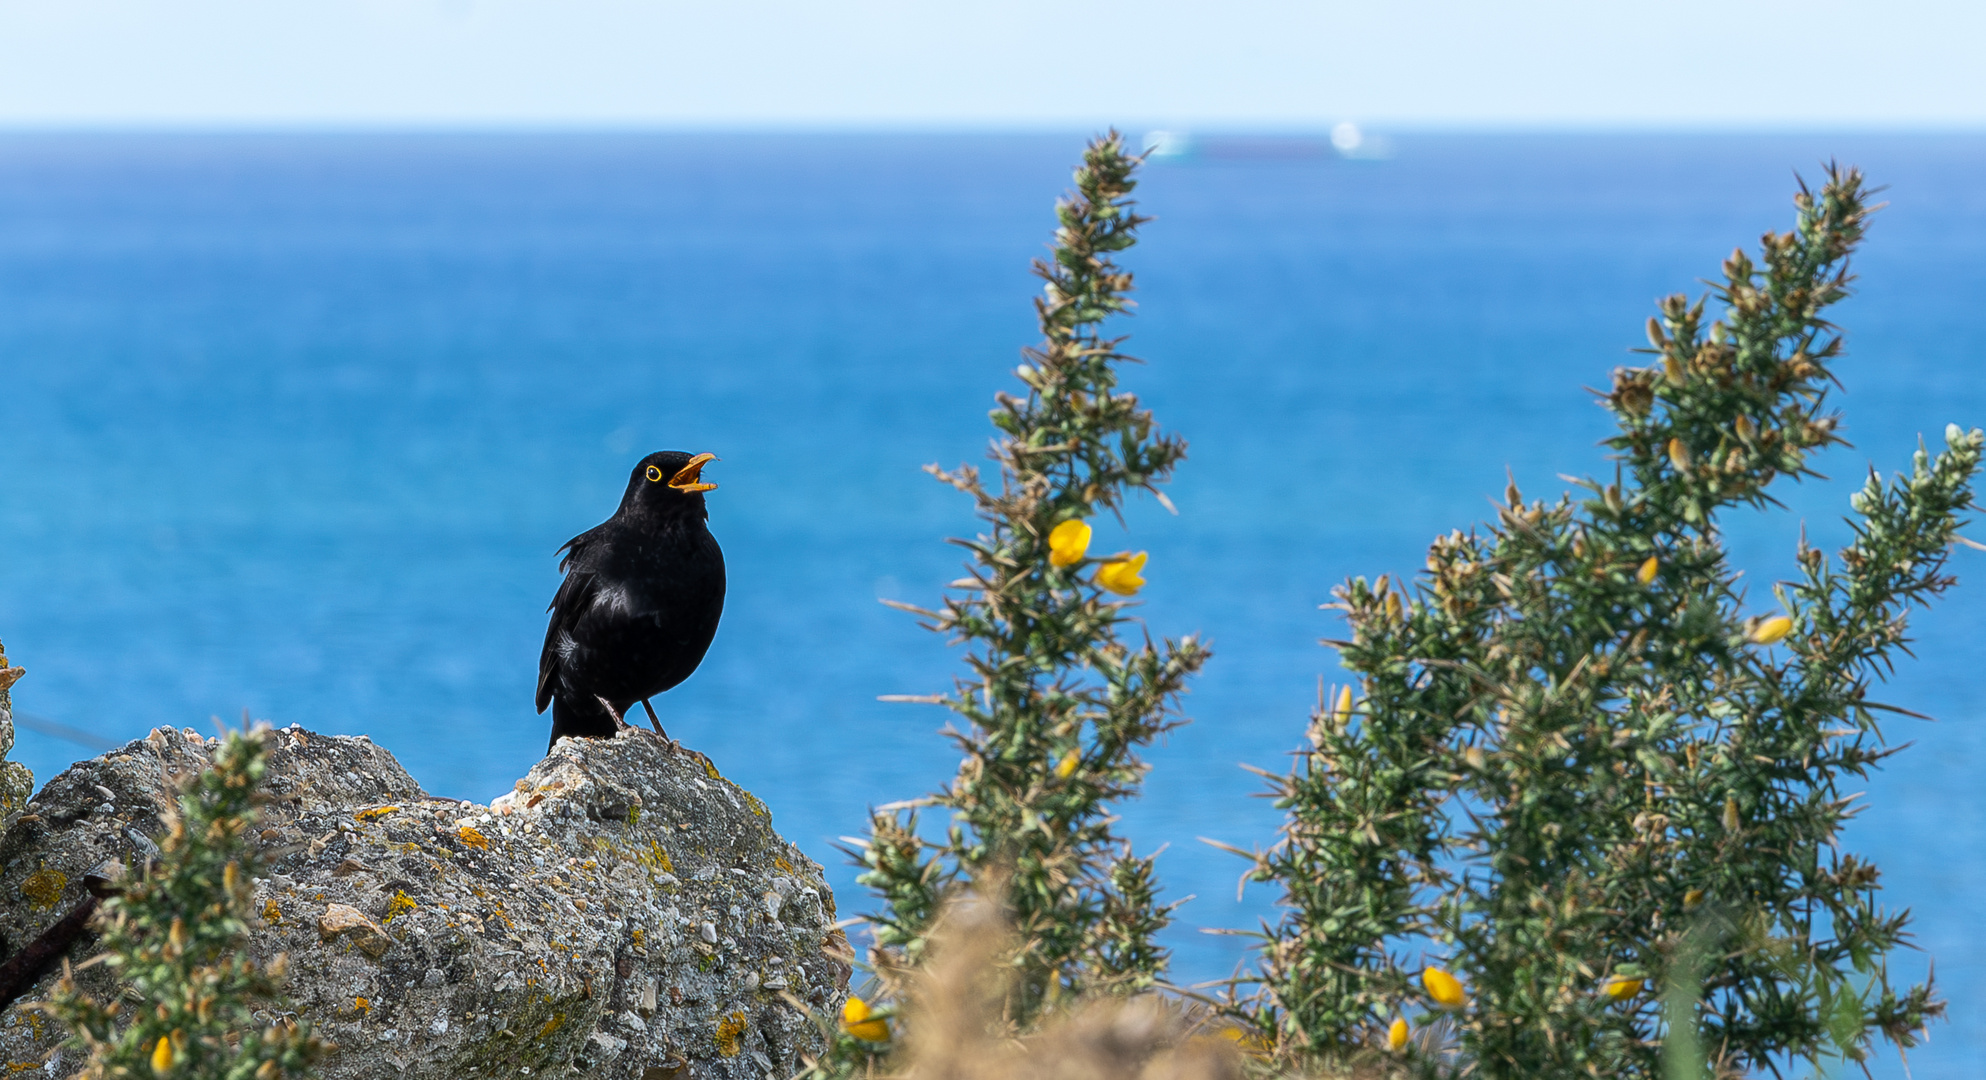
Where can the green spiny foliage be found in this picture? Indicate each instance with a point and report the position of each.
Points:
(1056, 704)
(175, 935)
(1572, 748)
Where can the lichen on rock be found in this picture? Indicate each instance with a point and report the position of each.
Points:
(626, 912)
(16, 782)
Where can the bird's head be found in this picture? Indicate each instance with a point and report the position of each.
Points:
(669, 482)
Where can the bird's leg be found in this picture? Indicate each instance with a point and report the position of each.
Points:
(611, 711)
(652, 719)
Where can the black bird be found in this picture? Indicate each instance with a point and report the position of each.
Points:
(639, 604)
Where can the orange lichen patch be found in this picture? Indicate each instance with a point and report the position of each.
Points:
(556, 1022)
(375, 813)
(779, 863)
(656, 858)
(712, 770)
(362, 1005)
(272, 914)
(640, 938)
(472, 839)
(44, 887)
(399, 905)
(729, 1028)
(756, 806)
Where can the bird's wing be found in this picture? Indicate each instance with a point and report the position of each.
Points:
(575, 596)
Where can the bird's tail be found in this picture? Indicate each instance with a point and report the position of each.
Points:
(587, 719)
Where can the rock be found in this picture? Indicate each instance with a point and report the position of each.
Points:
(613, 916)
(340, 920)
(16, 782)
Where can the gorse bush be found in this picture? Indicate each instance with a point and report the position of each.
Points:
(175, 934)
(1575, 741)
(1056, 704)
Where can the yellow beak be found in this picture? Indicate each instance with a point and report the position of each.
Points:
(688, 478)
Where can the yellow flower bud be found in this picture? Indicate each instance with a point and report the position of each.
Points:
(1396, 1035)
(1692, 898)
(1068, 542)
(162, 1057)
(1121, 576)
(1678, 455)
(1772, 630)
(1067, 765)
(1731, 818)
(855, 1020)
(1342, 712)
(1621, 987)
(1649, 569)
(1393, 607)
(1444, 988)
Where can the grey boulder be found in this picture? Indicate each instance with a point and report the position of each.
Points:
(625, 912)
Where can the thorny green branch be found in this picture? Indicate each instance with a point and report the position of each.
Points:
(1570, 743)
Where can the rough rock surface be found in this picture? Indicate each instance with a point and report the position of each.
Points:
(15, 780)
(626, 912)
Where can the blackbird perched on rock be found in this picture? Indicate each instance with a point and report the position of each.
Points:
(639, 604)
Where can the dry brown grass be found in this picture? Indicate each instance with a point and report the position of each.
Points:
(955, 1021)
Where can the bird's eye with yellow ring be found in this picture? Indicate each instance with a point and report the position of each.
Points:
(654, 474)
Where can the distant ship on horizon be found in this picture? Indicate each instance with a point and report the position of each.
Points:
(1347, 140)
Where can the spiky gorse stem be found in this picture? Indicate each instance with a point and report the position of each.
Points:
(197, 1006)
(1575, 740)
(1056, 705)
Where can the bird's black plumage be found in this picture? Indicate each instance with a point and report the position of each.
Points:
(639, 604)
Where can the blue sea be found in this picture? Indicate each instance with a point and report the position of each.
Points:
(295, 423)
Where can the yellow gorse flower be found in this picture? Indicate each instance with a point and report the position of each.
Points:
(1678, 455)
(1621, 987)
(162, 1056)
(1068, 542)
(1396, 1035)
(1648, 570)
(855, 1019)
(1067, 765)
(1248, 1042)
(1772, 630)
(1444, 988)
(1341, 713)
(1121, 576)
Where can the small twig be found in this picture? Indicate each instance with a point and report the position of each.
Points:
(22, 969)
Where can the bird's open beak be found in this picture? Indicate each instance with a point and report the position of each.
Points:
(689, 478)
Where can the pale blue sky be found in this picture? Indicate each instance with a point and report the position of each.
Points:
(1014, 64)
